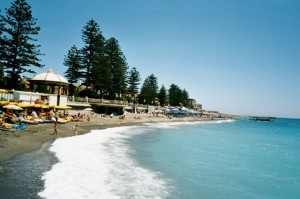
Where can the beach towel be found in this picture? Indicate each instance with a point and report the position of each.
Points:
(20, 127)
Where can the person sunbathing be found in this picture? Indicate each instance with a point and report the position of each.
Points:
(76, 118)
(5, 125)
(68, 118)
(10, 117)
(35, 117)
(1, 122)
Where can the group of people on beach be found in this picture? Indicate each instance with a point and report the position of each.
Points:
(30, 116)
(35, 116)
(75, 129)
(10, 118)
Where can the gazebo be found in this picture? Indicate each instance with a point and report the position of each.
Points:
(50, 83)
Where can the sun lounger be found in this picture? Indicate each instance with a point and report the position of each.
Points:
(29, 122)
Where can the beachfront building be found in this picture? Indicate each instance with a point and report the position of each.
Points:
(191, 103)
(46, 88)
(198, 107)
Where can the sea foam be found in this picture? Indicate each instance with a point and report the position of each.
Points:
(181, 123)
(98, 165)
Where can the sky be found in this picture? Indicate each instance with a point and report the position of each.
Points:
(232, 56)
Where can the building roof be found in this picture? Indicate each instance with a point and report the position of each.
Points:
(50, 76)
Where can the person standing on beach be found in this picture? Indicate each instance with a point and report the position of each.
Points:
(75, 129)
(55, 129)
(56, 116)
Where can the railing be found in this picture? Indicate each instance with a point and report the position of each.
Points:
(103, 101)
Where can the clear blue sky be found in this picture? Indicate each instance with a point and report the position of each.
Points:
(234, 56)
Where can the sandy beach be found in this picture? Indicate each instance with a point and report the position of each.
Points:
(17, 142)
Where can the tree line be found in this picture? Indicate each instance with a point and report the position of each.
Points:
(100, 65)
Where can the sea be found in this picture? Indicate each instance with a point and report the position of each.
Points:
(236, 158)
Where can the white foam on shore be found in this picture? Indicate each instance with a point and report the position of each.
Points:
(98, 165)
(180, 123)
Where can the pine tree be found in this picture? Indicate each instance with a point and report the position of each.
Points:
(1, 54)
(162, 96)
(18, 51)
(118, 67)
(101, 76)
(174, 95)
(133, 81)
(1, 26)
(149, 90)
(93, 51)
(185, 98)
(74, 63)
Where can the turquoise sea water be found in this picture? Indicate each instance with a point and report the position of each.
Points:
(227, 160)
(222, 159)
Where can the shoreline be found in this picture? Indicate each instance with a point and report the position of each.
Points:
(13, 143)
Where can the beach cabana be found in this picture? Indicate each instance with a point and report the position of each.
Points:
(46, 89)
(52, 84)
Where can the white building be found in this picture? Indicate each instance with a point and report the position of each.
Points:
(47, 88)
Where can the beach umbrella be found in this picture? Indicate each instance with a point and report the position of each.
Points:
(4, 103)
(37, 105)
(13, 107)
(63, 107)
(88, 109)
(45, 106)
(3, 91)
(22, 105)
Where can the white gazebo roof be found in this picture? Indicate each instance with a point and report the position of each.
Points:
(50, 76)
